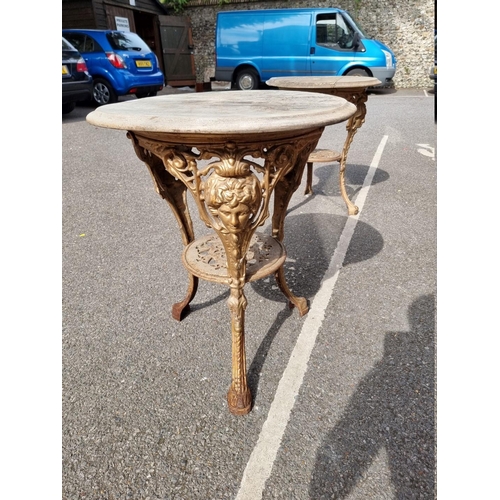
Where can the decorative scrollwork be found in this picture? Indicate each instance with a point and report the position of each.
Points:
(232, 162)
(233, 181)
(232, 194)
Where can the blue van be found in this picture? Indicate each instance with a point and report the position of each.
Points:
(255, 45)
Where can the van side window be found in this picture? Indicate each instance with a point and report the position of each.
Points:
(333, 32)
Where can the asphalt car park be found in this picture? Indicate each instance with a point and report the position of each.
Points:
(144, 410)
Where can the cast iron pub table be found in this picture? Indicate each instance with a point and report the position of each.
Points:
(231, 151)
(351, 88)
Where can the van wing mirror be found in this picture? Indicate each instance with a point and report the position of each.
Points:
(356, 41)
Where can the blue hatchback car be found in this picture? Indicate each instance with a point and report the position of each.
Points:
(120, 63)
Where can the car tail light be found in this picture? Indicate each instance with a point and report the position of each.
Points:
(81, 67)
(116, 60)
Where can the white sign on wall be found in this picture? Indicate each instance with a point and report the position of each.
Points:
(132, 2)
(122, 23)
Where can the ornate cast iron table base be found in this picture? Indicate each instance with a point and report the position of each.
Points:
(233, 196)
(241, 156)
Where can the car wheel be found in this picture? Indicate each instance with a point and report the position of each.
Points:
(357, 72)
(103, 92)
(247, 79)
(68, 107)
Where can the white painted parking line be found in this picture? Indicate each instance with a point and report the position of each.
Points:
(261, 460)
(427, 150)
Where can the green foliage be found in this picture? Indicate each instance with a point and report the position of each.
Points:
(180, 5)
(177, 5)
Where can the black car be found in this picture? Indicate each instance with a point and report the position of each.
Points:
(77, 83)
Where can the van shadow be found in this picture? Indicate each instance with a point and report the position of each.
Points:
(394, 408)
(308, 259)
(381, 90)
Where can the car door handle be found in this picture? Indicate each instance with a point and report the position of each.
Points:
(313, 50)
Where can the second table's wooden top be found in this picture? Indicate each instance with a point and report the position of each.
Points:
(323, 82)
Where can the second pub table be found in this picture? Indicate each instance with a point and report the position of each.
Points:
(351, 88)
(232, 151)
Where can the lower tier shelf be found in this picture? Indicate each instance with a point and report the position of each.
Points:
(206, 258)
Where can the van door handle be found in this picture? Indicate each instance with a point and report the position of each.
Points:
(313, 50)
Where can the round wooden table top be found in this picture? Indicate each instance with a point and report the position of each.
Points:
(224, 112)
(323, 82)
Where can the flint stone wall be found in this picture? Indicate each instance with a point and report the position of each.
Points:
(406, 26)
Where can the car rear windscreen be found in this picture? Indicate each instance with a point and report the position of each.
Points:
(127, 41)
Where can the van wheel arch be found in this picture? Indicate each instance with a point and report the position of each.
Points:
(358, 72)
(246, 78)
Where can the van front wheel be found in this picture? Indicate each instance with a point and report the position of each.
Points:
(247, 79)
(357, 72)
